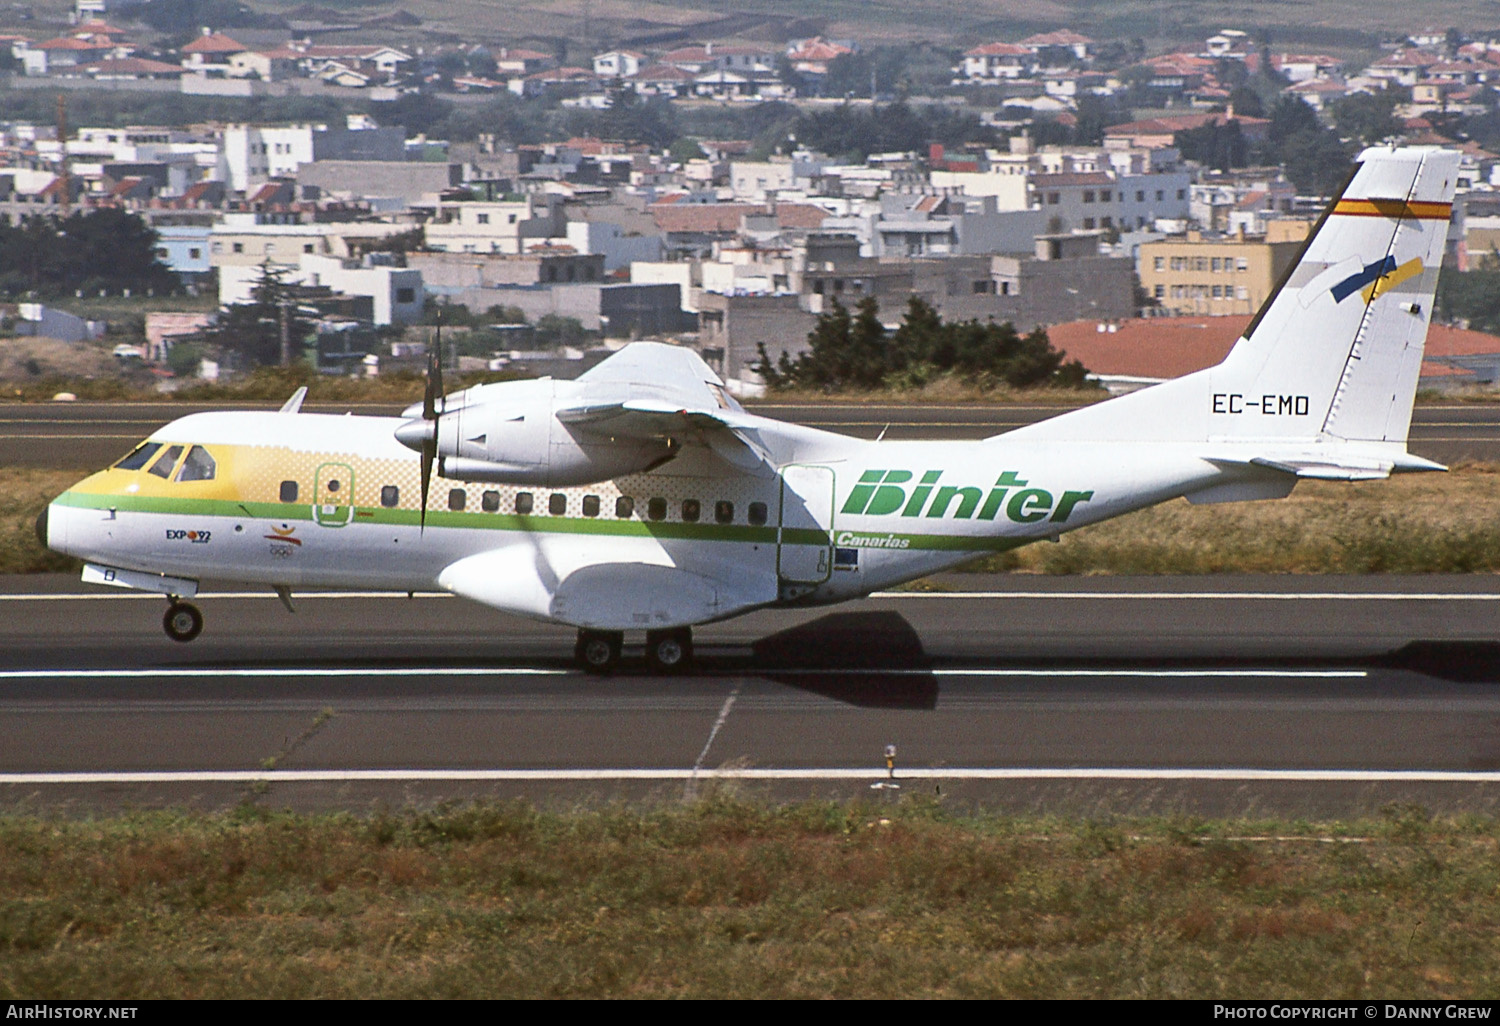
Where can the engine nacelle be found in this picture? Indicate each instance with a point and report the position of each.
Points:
(510, 434)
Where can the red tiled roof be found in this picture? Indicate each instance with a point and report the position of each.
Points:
(336, 51)
(1180, 123)
(130, 66)
(702, 217)
(1169, 347)
(69, 43)
(800, 215)
(214, 42)
(998, 50)
(663, 73)
(818, 50)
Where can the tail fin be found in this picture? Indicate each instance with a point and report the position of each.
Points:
(1334, 355)
(1340, 343)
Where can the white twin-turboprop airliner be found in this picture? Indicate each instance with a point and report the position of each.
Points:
(640, 497)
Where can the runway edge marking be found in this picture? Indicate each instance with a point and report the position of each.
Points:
(1230, 775)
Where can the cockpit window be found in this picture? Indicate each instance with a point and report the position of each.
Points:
(199, 466)
(163, 466)
(138, 456)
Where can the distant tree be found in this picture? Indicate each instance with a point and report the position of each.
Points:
(1290, 115)
(481, 63)
(553, 331)
(409, 241)
(1220, 146)
(506, 315)
(1367, 118)
(184, 357)
(685, 149)
(857, 352)
(1471, 298)
(252, 332)
(1247, 102)
(99, 250)
(1315, 162)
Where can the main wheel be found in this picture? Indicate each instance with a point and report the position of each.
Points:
(598, 651)
(183, 622)
(669, 651)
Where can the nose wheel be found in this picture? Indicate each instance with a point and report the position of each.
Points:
(183, 622)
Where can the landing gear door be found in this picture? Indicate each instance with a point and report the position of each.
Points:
(333, 495)
(804, 541)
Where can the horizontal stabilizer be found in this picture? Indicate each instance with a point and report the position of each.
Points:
(1334, 466)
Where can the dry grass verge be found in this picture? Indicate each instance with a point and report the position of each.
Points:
(1413, 523)
(730, 898)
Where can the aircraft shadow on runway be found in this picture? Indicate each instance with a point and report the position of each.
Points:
(1463, 662)
(873, 659)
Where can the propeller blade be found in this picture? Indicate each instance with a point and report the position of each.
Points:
(430, 397)
(427, 454)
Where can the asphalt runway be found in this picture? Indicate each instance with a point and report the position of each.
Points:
(93, 435)
(1245, 695)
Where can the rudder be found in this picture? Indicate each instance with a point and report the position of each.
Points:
(1338, 350)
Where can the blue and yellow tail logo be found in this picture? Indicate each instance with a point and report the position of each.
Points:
(1375, 280)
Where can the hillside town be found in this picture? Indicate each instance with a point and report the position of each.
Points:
(1126, 201)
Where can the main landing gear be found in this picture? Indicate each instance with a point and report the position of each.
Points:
(667, 652)
(183, 622)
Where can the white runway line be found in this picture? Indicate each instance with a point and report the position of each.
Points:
(1218, 596)
(271, 673)
(1020, 773)
(690, 789)
(1094, 596)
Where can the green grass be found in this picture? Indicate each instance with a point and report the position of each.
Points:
(733, 898)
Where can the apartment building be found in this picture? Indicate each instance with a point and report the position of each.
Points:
(1218, 275)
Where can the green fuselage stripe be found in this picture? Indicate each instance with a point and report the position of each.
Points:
(364, 515)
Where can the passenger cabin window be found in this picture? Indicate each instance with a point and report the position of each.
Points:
(723, 512)
(199, 466)
(690, 510)
(138, 456)
(557, 505)
(289, 491)
(457, 499)
(656, 508)
(163, 466)
(591, 505)
(390, 496)
(757, 514)
(523, 503)
(624, 507)
(490, 502)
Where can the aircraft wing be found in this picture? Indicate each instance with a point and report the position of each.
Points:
(653, 369)
(731, 435)
(650, 390)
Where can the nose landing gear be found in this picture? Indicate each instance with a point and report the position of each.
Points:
(183, 622)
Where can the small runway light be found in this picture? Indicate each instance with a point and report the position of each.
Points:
(890, 772)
